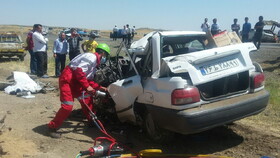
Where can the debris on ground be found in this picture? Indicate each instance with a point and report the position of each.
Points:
(22, 83)
(46, 87)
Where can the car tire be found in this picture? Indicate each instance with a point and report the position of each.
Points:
(21, 58)
(154, 132)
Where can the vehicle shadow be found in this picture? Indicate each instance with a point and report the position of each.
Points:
(208, 142)
(271, 69)
(272, 61)
(75, 123)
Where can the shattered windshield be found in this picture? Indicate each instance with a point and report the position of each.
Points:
(178, 45)
(9, 38)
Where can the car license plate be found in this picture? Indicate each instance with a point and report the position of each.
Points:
(210, 69)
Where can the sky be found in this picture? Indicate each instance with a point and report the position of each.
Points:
(157, 14)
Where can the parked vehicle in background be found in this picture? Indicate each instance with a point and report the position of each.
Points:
(119, 34)
(268, 34)
(96, 32)
(79, 31)
(183, 82)
(82, 32)
(11, 45)
(67, 32)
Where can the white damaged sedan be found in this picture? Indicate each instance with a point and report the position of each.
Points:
(177, 81)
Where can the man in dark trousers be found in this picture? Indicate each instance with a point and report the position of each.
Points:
(246, 30)
(29, 47)
(60, 49)
(74, 44)
(235, 27)
(128, 35)
(40, 51)
(258, 34)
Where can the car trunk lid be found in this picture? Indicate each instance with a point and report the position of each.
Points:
(209, 65)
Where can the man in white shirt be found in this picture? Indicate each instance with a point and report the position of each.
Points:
(128, 34)
(124, 34)
(115, 33)
(205, 26)
(133, 32)
(40, 50)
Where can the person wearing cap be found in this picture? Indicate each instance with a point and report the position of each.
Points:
(76, 81)
(74, 43)
(91, 44)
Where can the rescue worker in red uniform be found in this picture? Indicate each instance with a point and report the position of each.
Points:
(76, 81)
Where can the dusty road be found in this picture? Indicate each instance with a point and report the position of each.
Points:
(25, 127)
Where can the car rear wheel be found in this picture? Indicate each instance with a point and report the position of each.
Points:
(154, 132)
(21, 58)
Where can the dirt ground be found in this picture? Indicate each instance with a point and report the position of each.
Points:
(25, 131)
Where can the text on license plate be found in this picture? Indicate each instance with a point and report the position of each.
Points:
(209, 69)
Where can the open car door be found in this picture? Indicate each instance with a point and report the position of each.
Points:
(125, 91)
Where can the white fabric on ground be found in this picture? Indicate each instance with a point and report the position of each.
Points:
(23, 83)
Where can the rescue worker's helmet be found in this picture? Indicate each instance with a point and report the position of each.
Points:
(104, 47)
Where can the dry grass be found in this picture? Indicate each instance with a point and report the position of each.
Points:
(269, 119)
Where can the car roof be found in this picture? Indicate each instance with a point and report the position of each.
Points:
(185, 33)
(139, 46)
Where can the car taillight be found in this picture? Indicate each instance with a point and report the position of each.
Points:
(258, 80)
(185, 96)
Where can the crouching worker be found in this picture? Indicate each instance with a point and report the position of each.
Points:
(76, 78)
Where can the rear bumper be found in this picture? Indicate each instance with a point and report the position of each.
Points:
(210, 115)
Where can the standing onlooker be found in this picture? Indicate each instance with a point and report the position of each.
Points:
(90, 44)
(128, 34)
(60, 49)
(215, 29)
(40, 51)
(133, 32)
(246, 30)
(235, 27)
(205, 26)
(115, 33)
(124, 34)
(258, 34)
(74, 44)
(29, 47)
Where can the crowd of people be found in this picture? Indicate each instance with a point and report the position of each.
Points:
(127, 33)
(37, 45)
(214, 29)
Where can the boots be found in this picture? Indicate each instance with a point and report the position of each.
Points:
(53, 133)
